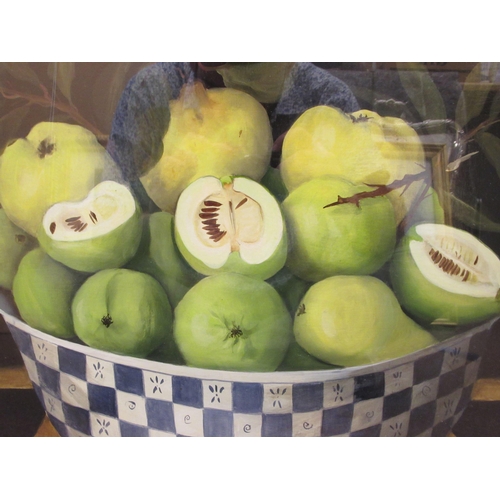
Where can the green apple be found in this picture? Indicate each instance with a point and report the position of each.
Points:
(233, 322)
(355, 320)
(55, 162)
(43, 290)
(101, 231)
(14, 244)
(348, 238)
(122, 311)
(159, 256)
(233, 224)
(445, 275)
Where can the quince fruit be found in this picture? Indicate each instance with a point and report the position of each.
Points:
(55, 162)
(363, 147)
(216, 132)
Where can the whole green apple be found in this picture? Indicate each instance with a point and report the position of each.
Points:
(349, 238)
(43, 290)
(122, 311)
(230, 321)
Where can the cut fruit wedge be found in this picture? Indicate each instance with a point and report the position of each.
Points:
(101, 231)
(444, 275)
(231, 224)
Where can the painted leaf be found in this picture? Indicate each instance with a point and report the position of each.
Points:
(490, 145)
(20, 71)
(477, 86)
(422, 91)
(63, 74)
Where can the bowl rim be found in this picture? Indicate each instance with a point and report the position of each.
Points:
(8, 311)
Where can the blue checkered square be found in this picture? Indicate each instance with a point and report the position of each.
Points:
(49, 380)
(23, 341)
(160, 415)
(369, 386)
(217, 423)
(275, 425)
(307, 397)
(102, 400)
(247, 397)
(337, 421)
(72, 362)
(129, 379)
(77, 418)
(130, 430)
(397, 403)
(187, 391)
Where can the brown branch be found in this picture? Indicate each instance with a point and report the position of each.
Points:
(487, 123)
(381, 189)
(46, 101)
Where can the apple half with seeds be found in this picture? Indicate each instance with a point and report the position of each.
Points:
(445, 275)
(102, 231)
(232, 224)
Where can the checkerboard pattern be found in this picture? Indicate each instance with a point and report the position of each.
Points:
(91, 396)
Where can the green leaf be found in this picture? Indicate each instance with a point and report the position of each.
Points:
(422, 91)
(63, 73)
(477, 86)
(469, 216)
(490, 145)
(20, 71)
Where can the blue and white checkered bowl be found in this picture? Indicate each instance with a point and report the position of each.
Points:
(87, 392)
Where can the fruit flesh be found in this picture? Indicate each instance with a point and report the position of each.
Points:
(230, 225)
(434, 286)
(101, 231)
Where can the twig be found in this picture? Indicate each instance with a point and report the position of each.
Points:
(45, 100)
(381, 189)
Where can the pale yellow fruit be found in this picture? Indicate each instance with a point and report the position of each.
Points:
(362, 147)
(217, 132)
(55, 162)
